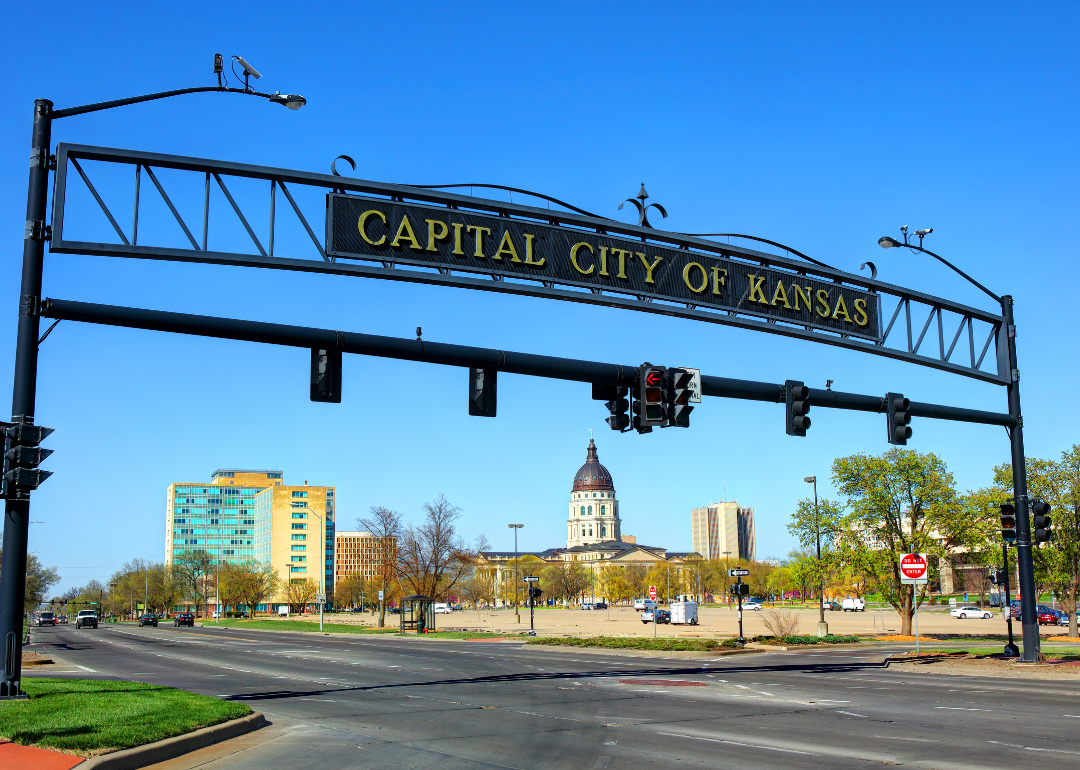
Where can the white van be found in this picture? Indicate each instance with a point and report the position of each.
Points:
(644, 605)
(854, 605)
(441, 608)
(283, 611)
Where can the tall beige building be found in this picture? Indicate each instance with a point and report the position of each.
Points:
(723, 530)
(253, 514)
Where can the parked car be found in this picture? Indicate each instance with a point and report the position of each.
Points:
(644, 605)
(86, 619)
(854, 604)
(833, 606)
(753, 603)
(456, 607)
(660, 616)
(967, 611)
(441, 608)
(587, 606)
(600, 606)
(46, 619)
(184, 619)
(1050, 618)
(148, 620)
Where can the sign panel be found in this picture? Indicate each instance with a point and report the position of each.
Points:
(914, 569)
(453, 240)
(530, 579)
(952, 601)
(380, 596)
(652, 593)
(320, 599)
(738, 572)
(695, 384)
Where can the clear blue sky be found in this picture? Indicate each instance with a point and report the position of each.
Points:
(820, 126)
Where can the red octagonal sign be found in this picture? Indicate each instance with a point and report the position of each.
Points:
(914, 568)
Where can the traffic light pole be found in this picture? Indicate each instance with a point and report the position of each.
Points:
(1029, 619)
(1010, 649)
(23, 398)
(741, 641)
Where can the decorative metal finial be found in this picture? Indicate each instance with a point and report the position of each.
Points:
(873, 269)
(590, 434)
(333, 167)
(643, 208)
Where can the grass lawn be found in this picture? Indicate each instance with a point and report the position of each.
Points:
(1050, 651)
(86, 717)
(466, 635)
(299, 625)
(638, 643)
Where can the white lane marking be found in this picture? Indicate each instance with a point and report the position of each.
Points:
(825, 700)
(1074, 716)
(896, 738)
(84, 668)
(861, 716)
(959, 708)
(736, 743)
(1033, 748)
(602, 761)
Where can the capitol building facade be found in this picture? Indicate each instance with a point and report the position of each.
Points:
(594, 535)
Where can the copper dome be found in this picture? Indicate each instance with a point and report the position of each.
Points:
(592, 476)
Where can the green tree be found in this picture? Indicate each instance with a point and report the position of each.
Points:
(818, 527)
(900, 502)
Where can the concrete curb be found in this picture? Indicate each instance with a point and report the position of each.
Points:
(170, 748)
(632, 653)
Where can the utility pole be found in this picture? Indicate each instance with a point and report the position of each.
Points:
(517, 576)
(822, 626)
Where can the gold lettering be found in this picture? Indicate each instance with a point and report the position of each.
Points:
(603, 260)
(363, 226)
(573, 257)
(860, 311)
(457, 238)
(403, 228)
(719, 278)
(841, 307)
(529, 252)
(649, 268)
(805, 296)
(432, 236)
(479, 238)
(686, 277)
(755, 289)
(623, 254)
(823, 301)
(507, 247)
(781, 295)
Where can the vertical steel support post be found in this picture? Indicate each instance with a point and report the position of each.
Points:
(23, 397)
(1029, 619)
(1011, 649)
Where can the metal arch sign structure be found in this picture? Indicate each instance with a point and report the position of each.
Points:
(415, 234)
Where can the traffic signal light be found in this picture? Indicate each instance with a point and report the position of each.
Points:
(740, 589)
(1008, 523)
(649, 406)
(483, 392)
(326, 375)
(678, 397)
(899, 416)
(1043, 533)
(22, 455)
(535, 593)
(797, 405)
(618, 407)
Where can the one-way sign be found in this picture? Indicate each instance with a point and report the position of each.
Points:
(738, 572)
(530, 579)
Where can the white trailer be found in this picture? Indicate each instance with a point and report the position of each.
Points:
(684, 613)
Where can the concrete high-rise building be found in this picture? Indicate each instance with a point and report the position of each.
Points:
(725, 529)
(358, 553)
(249, 514)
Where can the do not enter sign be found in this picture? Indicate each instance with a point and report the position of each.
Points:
(652, 593)
(914, 569)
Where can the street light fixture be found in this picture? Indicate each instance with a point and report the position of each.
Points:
(822, 626)
(322, 563)
(516, 527)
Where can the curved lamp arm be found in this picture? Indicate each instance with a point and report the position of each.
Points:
(886, 242)
(292, 101)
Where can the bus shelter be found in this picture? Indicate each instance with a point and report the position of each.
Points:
(417, 614)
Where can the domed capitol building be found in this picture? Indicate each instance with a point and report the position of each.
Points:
(594, 533)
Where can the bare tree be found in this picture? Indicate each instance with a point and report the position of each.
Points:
(385, 526)
(192, 568)
(433, 557)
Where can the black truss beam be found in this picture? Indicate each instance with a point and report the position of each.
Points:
(466, 356)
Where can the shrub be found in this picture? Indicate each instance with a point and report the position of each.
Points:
(782, 623)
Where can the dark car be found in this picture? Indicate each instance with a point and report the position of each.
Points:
(148, 620)
(184, 619)
(834, 606)
(600, 606)
(46, 619)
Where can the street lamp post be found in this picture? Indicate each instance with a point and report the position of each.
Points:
(24, 389)
(1025, 565)
(517, 577)
(822, 626)
(727, 599)
(322, 563)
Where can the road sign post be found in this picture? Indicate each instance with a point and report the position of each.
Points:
(652, 595)
(529, 579)
(739, 574)
(914, 571)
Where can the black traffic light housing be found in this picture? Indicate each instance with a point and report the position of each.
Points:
(677, 399)
(617, 403)
(899, 415)
(22, 455)
(649, 405)
(1008, 523)
(1042, 522)
(740, 589)
(326, 375)
(483, 392)
(797, 405)
(535, 593)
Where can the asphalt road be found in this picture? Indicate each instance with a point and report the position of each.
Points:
(370, 702)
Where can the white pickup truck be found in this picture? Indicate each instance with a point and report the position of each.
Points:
(86, 619)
